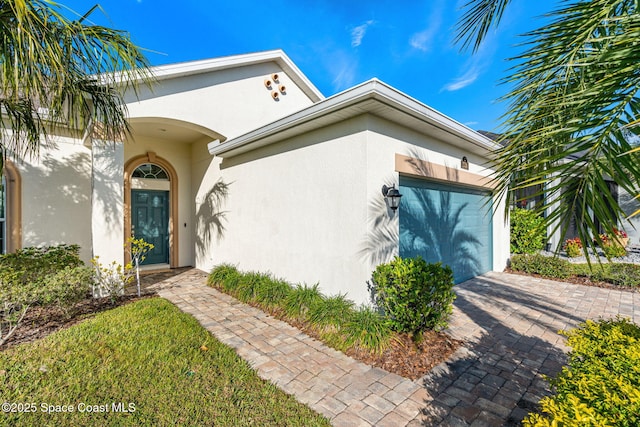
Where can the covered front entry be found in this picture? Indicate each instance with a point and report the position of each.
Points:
(151, 200)
(150, 221)
(446, 223)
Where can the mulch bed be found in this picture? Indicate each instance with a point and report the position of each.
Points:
(403, 357)
(408, 360)
(42, 321)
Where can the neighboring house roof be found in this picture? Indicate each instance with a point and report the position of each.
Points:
(182, 69)
(491, 135)
(374, 97)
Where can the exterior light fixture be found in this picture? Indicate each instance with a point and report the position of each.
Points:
(392, 195)
(464, 163)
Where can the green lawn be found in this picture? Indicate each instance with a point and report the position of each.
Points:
(147, 358)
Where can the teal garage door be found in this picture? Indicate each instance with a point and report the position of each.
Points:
(446, 223)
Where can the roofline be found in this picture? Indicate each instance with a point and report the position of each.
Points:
(371, 89)
(182, 69)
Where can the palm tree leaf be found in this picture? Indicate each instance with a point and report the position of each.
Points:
(55, 71)
(478, 18)
(572, 112)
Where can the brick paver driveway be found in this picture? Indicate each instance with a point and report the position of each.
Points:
(508, 322)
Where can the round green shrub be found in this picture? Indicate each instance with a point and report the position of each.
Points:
(528, 234)
(414, 295)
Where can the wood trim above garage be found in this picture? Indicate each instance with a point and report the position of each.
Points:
(421, 168)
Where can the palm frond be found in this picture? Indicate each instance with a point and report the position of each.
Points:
(55, 71)
(478, 18)
(572, 112)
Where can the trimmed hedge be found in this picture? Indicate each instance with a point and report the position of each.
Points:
(33, 264)
(414, 294)
(618, 274)
(44, 276)
(601, 384)
(550, 267)
(40, 276)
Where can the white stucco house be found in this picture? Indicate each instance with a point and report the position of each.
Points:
(242, 160)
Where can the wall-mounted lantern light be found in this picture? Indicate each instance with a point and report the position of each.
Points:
(464, 163)
(392, 195)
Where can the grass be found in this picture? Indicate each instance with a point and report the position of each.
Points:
(367, 329)
(149, 357)
(331, 311)
(301, 300)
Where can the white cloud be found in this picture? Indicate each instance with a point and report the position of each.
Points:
(357, 33)
(422, 40)
(470, 123)
(463, 81)
(344, 73)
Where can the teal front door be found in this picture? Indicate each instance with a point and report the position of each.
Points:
(150, 221)
(448, 224)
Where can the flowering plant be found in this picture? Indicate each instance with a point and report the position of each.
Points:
(613, 246)
(620, 233)
(573, 247)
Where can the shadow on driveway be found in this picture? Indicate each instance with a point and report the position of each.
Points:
(510, 325)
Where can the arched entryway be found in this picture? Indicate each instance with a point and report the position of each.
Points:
(151, 207)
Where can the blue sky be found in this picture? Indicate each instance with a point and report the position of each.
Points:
(339, 43)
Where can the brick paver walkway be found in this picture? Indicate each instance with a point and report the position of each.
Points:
(509, 324)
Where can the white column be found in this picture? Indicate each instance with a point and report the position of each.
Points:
(554, 237)
(107, 215)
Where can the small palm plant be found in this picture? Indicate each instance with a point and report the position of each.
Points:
(137, 249)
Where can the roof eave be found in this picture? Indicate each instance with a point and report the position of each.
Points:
(372, 89)
(183, 69)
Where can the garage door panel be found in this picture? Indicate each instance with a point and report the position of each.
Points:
(448, 224)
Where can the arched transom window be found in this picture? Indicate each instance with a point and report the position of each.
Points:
(150, 171)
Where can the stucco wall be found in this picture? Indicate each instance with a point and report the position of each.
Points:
(56, 196)
(298, 209)
(107, 220)
(230, 102)
(386, 138)
(310, 209)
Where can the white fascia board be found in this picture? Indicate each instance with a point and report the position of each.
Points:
(372, 89)
(183, 69)
(402, 101)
